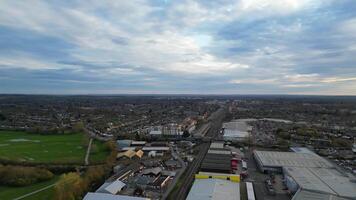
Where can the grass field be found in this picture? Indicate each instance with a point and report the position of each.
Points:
(7, 193)
(21, 146)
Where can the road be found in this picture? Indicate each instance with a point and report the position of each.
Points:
(188, 177)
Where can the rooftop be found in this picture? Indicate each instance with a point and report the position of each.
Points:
(310, 195)
(214, 189)
(291, 159)
(103, 196)
(323, 179)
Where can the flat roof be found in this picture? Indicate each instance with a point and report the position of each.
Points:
(226, 152)
(155, 148)
(235, 133)
(214, 189)
(323, 179)
(307, 180)
(217, 145)
(115, 187)
(103, 196)
(311, 195)
(291, 159)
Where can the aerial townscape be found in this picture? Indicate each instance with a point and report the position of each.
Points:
(178, 100)
(177, 147)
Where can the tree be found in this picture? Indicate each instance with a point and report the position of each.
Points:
(22, 176)
(2, 117)
(78, 127)
(70, 186)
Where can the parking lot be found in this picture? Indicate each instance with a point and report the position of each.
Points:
(259, 178)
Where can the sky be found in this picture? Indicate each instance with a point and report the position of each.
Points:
(178, 47)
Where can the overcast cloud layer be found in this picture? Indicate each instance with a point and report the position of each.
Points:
(178, 46)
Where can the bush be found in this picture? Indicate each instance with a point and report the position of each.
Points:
(22, 176)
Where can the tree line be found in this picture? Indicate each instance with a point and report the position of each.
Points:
(23, 176)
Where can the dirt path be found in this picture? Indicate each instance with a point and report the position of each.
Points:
(88, 152)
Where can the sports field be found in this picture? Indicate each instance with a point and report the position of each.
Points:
(7, 193)
(21, 146)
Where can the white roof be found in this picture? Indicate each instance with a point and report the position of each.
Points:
(155, 132)
(307, 180)
(214, 189)
(310, 195)
(291, 159)
(217, 145)
(138, 142)
(323, 179)
(115, 187)
(103, 196)
(225, 152)
(235, 133)
(155, 148)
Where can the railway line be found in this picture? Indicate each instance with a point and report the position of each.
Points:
(188, 177)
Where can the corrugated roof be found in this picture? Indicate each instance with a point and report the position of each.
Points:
(115, 187)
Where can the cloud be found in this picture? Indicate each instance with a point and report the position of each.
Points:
(240, 46)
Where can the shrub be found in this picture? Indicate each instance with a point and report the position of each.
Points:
(22, 176)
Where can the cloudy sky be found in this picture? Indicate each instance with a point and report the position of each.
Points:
(178, 46)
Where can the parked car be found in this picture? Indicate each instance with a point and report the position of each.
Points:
(269, 187)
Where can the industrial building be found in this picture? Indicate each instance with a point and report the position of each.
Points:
(103, 196)
(273, 161)
(215, 186)
(308, 175)
(324, 180)
(218, 159)
(237, 130)
(310, 195)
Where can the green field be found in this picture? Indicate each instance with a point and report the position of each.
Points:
(14, 192)
(68, 148)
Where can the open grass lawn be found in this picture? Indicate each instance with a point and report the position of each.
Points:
(67, 148)
(7, 193)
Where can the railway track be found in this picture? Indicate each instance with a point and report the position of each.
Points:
(193, 168)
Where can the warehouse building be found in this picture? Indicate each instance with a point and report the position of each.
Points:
(103, 196)
(236, 130)
(273, 161)
(217, 159)
(215, 186)
(310, 195)
(322, 180)
(308, 175)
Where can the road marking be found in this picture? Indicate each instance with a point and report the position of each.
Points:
(34, 192)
